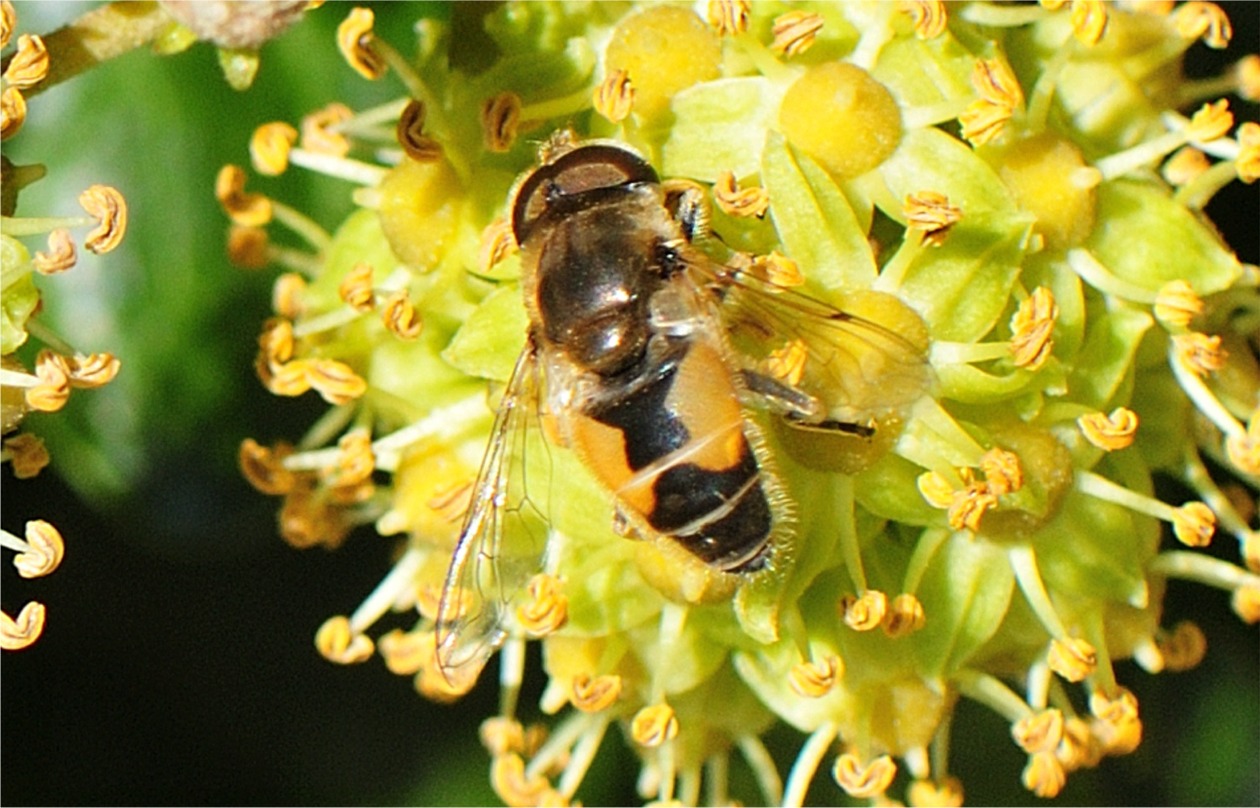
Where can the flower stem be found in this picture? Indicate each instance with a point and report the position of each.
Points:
(98, 36)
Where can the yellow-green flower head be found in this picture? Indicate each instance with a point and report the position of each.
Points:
(38, 367)
(1017, 190)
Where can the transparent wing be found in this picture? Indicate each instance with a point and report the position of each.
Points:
(854, 364)
(503, 538)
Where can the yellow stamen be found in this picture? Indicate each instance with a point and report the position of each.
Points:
(1072, 658)
(729, 17)
(969, 506)
(12, 112)
(501, 735)
(740, 202)
(1039, 732)
(865, 612)
(269, 147)
(53, 389)
(1109, 432)
(20, 633)
(1118, 727)
(1079, 749)
(1247, 77)
(43, 552)
(1002, 471)
(1000, 97)
(410, 133)
(8, 23)
(928, 17)
(1184, 647)
(320, 133)
(355, 289)
(497, 242)
(108, 207)
(500, 119)
(61, 254)
(250, 210)
(1193, 20)
(248, 247)
(27, 453)
(29, 64)
(355, 41)
(1177, 304)
(1194, 524)
(654, 725)
(1200, 353)
(778, 269)
(1247, 163)
(407, 652)
(1210, 121)
(337, 643)
(1246, 603)
(1044, 775)
(450, 500)
(794, 32)
(1032, 329)
(595, 694)
(288, 295)
(1089, 20)
(614, 97)
(275, 343)
(93, 370)
(263, 467)
(289, 379)
(928, 794)
(400, 316)
(1243, 449)
(931, 213)
(864, 781)
(335, 381)
(1185, 164)
(507, 777)
(935, 489)
(812, 679)
(905, 616)
(355, 459)
(548, 607)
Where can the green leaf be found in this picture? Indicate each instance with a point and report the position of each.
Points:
(1148, 239)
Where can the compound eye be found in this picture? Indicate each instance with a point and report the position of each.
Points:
(583, 170)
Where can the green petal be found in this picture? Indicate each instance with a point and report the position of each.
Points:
(21, 296)
(965, 593)
(1149, 240)
(818, 228)
(720, 126)
(490, 340)
(1105, 360)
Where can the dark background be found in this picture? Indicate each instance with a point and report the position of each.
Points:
(178, 666)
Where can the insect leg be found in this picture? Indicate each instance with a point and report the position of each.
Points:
(798, 408)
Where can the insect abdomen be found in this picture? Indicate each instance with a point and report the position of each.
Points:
(673, 448)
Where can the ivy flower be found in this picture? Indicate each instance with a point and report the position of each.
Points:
(38, 367)
(987, 176)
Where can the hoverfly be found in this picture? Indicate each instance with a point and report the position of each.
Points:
(645, 352)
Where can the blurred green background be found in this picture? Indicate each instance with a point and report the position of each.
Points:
(178, 664)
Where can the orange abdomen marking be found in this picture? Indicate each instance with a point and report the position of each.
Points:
(671, 445)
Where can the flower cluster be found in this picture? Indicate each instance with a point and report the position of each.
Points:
(57, 366)
(1025, 183)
